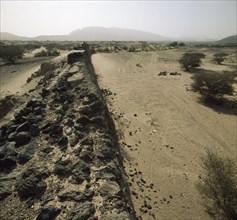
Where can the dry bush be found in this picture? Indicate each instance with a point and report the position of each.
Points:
(214, 84)
(218, 186)
(190, 61)
(219, 57)
(11, 53)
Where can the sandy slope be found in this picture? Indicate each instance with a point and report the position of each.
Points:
(163, 130)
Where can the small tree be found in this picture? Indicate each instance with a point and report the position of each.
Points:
(218, 186)
(214, 84)
(11, 53)
(219, 57)
(191, 60)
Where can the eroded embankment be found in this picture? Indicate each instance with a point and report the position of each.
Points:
(59, 156)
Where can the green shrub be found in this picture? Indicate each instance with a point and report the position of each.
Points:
(11, 53)
(219, 57)
(191, 60)
(44, 53)
(214, 84)
(218, 186)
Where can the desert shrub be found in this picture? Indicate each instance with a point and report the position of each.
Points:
(219, 57)
(181, 44)
(191, 60)
(173, 44)
(131, 49)
(44, 53)
(218, 186)
(11, 53)
(214, 84)
(31, 46)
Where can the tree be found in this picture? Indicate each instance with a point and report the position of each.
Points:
(11, 53)
(219, 57)
(214, 84)
(218, 186)
(191, 60)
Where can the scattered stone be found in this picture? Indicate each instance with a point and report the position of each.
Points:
(115, 216)
(63, 142)
(5, 190)
(71, 195)
(48, 213)
(82, 211)
(34, 130)
(63, 167)
(30, 183)
(8, 156)
(23, 127)
(27, 154)
(22, 138)
(109, 189)
(81, 171)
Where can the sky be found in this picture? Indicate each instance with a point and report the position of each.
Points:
(197, 19)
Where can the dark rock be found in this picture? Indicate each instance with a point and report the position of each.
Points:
(74, 57)
(34, 130)
(37, 110)
(109, 189)
(87, 141)
(82, 211)
(22, 138)
(44, 92)
(99, 121)
(71, 195)
(27, 154)
(81, 171)
(30, 183)
(23, 127)
(8, 156)
(5, 190)
(49, 213)
(12, 136)
(83, 120)
(34, 118)
(105, 149)
(90, 98)
(63, 142)
(63, 167)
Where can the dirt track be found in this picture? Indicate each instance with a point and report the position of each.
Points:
(163, 130)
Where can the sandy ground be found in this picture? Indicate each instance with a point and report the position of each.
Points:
(13, 77)
(163, 130)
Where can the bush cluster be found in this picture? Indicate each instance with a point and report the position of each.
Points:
(190, 61)
(218, 186)
(11, 53)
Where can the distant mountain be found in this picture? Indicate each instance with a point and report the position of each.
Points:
(8, 36)
(94, 34)
(228, 40)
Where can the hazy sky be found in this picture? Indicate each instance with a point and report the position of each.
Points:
(198, 19)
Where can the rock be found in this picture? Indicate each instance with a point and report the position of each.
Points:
(73, 69)
(81, 171)
(8, 156)
(109, 189)
(22, 138)
(74, 57)
(63, 142)
(34, 130)
(71, 195)
(82, 211)
(83, 120)
(100, 122)
(5, 190)
(63, 167)
(30, 183)
(104, 149)
(23, 127)
(27, 154)
(48, 213)
(37, 110)
(68, 131)
(44, 92)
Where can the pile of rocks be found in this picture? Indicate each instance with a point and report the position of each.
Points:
(59, 156)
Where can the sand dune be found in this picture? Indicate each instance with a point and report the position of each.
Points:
(163, 130)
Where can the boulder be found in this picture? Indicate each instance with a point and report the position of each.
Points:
(82, 211)
(49, 213)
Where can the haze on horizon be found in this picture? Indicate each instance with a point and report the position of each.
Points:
(199, 20)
